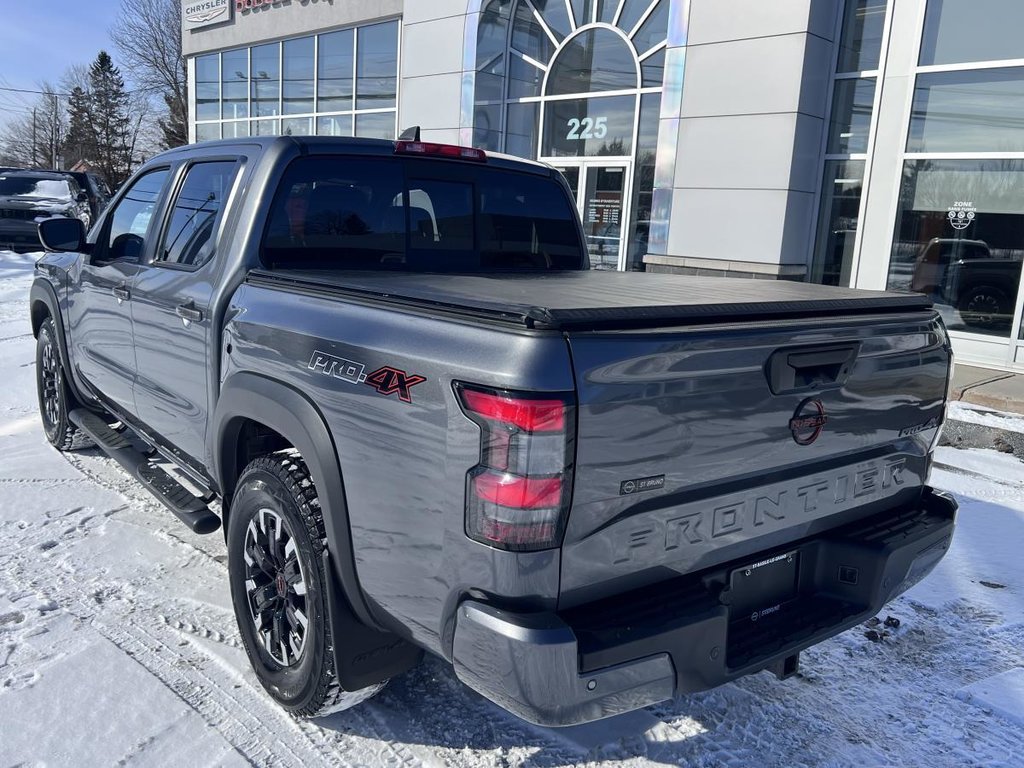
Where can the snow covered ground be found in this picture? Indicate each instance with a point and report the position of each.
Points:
(118, 645)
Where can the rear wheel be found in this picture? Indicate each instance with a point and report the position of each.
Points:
(55, 397)
(985, 306)
(276, 542)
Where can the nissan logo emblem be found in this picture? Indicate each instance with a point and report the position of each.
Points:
(808, 421)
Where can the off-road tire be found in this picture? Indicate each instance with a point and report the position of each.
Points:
(55, 397)
(985, 306)
(309, 686)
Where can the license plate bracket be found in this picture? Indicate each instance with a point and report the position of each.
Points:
(761, 588)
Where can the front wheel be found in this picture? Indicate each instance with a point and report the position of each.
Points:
(278, 582)
(55, 397)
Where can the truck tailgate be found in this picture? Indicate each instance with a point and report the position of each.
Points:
(698, 446)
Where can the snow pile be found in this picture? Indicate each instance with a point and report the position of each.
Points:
(986, 417)
(118, 644)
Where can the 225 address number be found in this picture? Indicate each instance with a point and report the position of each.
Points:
(587, 128)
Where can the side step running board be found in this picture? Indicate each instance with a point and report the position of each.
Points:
(168, 491)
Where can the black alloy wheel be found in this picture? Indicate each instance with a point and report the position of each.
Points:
(276, 587)
(276, 541)
(55, 397)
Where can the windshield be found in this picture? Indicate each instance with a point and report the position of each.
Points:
(419, 215)
(33, 186)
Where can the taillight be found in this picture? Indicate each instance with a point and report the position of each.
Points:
(517, 497)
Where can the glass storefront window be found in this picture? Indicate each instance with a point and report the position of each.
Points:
(632, 12)
(235, 84)
(600, 125)
(334, 125)
(960, 239)
(266, 80)
(528, 36)
(377, 66)
(603, 200)
(297, 80)
(265, 127)
(492, 35)
(581, 104)
(248, 91)
(335, 71)
(643, 180)
(958, 31)
(524, 80)
(208, 87)
(596, 60)
(968, 111)
(849, 140)
(207, 131)
(861, 44)
(837, 222)
(487, 127)
(653, 68)
(376, 125)
(236, 129)
(521, 129)
(556, 16)
(297, 126)
(852, 105)
(652, 31)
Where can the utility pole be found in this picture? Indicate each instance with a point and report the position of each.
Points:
(34, 137)
(56, 139)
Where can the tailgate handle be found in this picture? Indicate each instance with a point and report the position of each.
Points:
(794, 370)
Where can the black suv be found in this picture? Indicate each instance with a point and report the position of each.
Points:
(97, 189)
(27, 196)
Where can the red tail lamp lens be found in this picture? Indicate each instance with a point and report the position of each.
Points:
(517, 496)
(527, 415)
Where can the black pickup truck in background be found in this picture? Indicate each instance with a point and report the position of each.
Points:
(964, 274)
(431, 427)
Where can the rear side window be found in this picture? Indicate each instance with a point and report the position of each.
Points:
(418, 215)
(187, 239)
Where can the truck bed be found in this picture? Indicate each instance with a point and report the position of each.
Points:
(595, 300)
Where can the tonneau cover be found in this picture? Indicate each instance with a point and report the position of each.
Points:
(599, 299)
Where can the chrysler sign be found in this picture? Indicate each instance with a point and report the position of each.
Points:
(201, 13)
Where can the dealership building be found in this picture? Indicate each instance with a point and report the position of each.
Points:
(869, 143)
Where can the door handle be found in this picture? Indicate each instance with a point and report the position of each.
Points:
(189, 313)
(121, 293)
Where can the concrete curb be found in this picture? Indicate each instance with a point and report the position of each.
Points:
(966, 434)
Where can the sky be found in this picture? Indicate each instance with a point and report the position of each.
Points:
(39, 39)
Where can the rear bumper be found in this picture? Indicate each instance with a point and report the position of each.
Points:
(634, 650)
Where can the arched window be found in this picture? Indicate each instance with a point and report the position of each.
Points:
(569, 80)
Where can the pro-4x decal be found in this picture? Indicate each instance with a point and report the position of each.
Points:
(387, 380)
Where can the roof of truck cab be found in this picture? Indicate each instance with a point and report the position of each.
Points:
(381, 147)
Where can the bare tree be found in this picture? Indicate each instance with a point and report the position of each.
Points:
(36, 138)
(148, 35)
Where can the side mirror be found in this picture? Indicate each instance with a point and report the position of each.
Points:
(83, 197)
(62, 234)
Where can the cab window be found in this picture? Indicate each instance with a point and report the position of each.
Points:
(125, 235)
(188, 238)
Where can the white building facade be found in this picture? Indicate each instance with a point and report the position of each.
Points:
(872, 143)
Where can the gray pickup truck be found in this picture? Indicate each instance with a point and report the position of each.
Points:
(430, 427)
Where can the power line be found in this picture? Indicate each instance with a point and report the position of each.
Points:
(28, 90)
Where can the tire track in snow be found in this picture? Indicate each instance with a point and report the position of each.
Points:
(122, 484)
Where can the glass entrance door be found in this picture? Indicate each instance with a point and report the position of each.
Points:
(602, 195)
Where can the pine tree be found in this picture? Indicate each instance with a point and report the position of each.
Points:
(110, 121)
(174, 128)
(80, 142)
